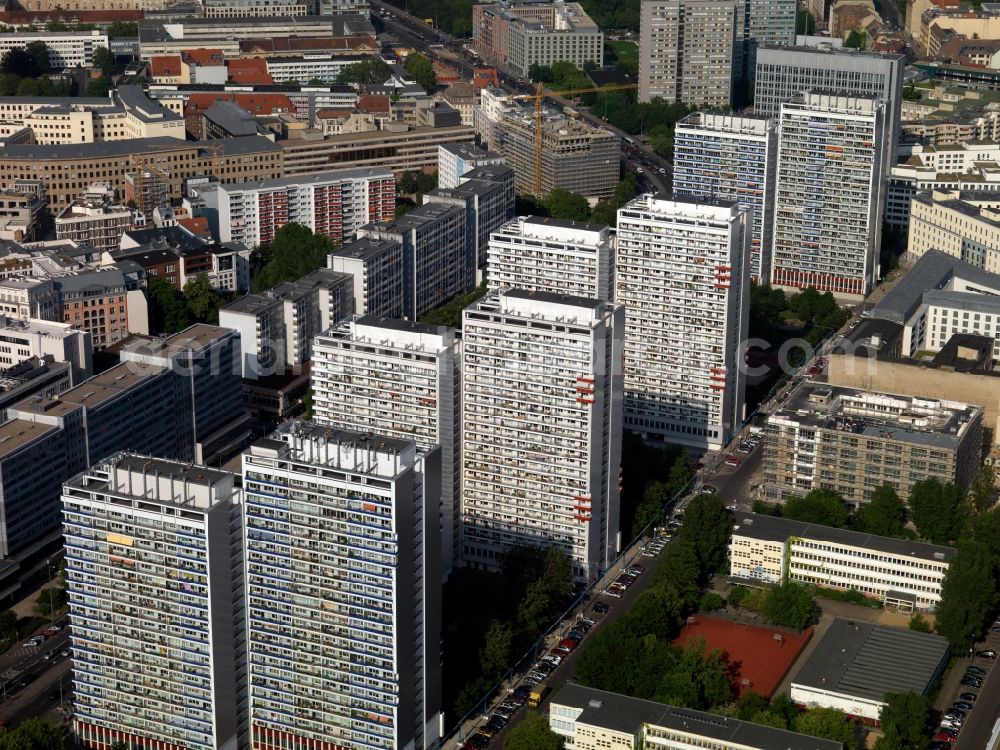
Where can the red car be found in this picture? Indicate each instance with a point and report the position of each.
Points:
(568, 643)
(942, 737)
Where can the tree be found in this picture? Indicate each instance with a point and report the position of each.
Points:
(34, 734)
(50, 600)
(918, 623)
(856, 40)
(710, 602)
(540, 73)
(29, 87)
(826, 723)
(885, 515)
(315, 82)
(123, 29)
(824, 507)
(39, 53)
(105, 61)
(422, 70)
(372, 70)
(557, 572)
(707, 525)
(495, 653)
(968, 595)
(533, 734)
(532, 612)
(791, 605)
(983, 490)
(562, 204)
(904, 722)
(417, 183)
(98, 87)
(168, 312)
(937, 510)
(450, 313)
(293, 253)
(203, 302)
(654, 500)
(21, 63)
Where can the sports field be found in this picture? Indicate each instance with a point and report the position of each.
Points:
(758, 658)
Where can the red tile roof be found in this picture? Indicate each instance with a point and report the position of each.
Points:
(255, 104)
(197, 225)
(329, 113)
(162, 66)
(374, 104)
(251, 70)
(204, 57)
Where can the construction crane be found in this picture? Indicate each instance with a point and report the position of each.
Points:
(542, 93)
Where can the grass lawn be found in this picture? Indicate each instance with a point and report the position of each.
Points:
(626, 53)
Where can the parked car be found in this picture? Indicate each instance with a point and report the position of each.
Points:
(638, 568)
(962, 705)
(972, 683)
(600, 608)
(945, 737)
(708, 489)
(520, 694)
(975, 670)
(732, 461)
(987, 654)
(480, 740)
(968, 697)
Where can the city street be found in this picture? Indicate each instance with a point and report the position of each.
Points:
(975, 735)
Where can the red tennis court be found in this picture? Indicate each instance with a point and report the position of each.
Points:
(759, 659)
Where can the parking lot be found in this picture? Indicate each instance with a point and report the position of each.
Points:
(971, 681)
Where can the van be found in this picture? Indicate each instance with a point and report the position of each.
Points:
(538, 695)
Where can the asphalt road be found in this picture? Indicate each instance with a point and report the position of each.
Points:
(975, 735)
(565, 671)
(42, 698)
(732, 484)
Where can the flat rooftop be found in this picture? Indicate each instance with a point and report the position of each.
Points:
(336, 175)
(923, 421)
(365, 248)
(773, 529)
(626, 714)
(553, 297)
(867, 661)
(197, 337)
(17, 433)
(409, 326)
(251, 304)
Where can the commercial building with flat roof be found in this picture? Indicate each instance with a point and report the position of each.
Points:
(852, 441)
(541, 387)
(856, 664)
(456, 159)
(902, 574)
(150, 546)
(65, 49)
(376, 267)
(963, 224)
(591, 719)
(24, 339)
(400, 379)
(343, 586)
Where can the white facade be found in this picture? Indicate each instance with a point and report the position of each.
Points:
(732, 158)
(541, 401)
(829, 204)
(455, 160)
(376, 269)
(25, 297)
(22, 339)
(67, 49)
(343, 591)
(155, 599)
(322, 66)
(965, 225)
(552, 255)
(336, 204)
(398, 379)
(259, 319)
(683, 278)
(776, 551)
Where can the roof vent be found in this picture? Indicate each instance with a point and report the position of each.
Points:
(594, 703)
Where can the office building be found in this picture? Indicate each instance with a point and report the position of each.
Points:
(856, 665)
(829, 203)
(487, 196)
(342, 541)
(260, 321)
(784, 73)
(852, 441)
(66, 49)
(438, 260)
(29, 297)
(541, 254)
(402, 380)
(156, 600)
(591, 719)
(334, 203)
(25, 339)
(733, 158)
(21, 211)
(688, 51)
(760, 23)
(64, 169)
(376, 270)
(576, 156)
(941, 297)
(541, 386)
(900, 573)
(964, 224)
(97, 219)
(682, 275)
(455, 160)
(516, 34)
(98, 303)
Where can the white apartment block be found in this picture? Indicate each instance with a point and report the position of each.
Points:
(376, 267)
(910, 177)
(343, 591)
(402, 380)
(965, 225)
(28, 297)
(336, 204)
(541, 404)
(67, 49)
(683, 278)
(542, 254)
(829, 203)
(687, 49)
(156, 601)
(22, 339)
(733, 158)
(895, 571)
(96, 219)
(317, 65)
(455, 160)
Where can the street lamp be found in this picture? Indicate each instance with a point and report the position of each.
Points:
(52, 612)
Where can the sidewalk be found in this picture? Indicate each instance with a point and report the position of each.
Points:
(26, 607)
